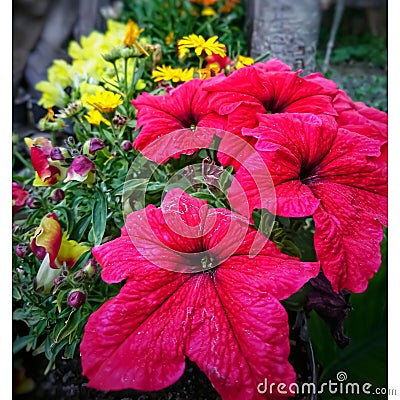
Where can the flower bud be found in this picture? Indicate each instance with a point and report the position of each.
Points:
(93, 145)
(76, 298)
(59, 280)
(113, 55)
(126, 145)
(33, 202)
(79, 276)
(56, 154)
(120, 120)
(58, 195)
(21, 249)
(71, 110)
(90, 268)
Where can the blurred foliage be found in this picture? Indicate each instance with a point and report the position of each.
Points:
(167, 21)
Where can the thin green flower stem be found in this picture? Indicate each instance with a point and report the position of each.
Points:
(261, 57)
(126, 75)
(121, 132)
(22, 159)
(201, 59)
(82, 123)
(105, 133)
(133, 82)
(116, 72)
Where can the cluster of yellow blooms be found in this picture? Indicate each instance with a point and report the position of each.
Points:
(202, 49)
(91, 76)
(88, 68)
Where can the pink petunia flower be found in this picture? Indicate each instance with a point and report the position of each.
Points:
(186, 107)
(227, 318)
(334, 175)
(267, 89)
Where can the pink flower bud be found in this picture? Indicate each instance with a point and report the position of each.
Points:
(56, 154)
(126, 145)
(59, 280)
(76, 298)
(21, 249)
(58, 195)
(33, 202)
(93, 145)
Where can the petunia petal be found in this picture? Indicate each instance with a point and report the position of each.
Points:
(134, 340)
(185, 107)
(238, 336)
(349, 256)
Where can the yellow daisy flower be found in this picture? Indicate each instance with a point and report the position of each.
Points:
(94, 117)
(243, 61)
(169, 38)
(200, 45)
(105, 101)
(208, 12)
(167, 73)
(209, 71)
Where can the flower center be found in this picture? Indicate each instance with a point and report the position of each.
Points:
(309, 175)
(208, 262)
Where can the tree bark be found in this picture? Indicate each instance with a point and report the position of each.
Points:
(287, 29)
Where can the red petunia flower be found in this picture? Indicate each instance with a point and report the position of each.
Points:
(357, 113)
(267, 89)
(227, 318)
(186, 107)
(334, 175)
(354, 115)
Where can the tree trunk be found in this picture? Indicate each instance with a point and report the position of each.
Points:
(287, 29)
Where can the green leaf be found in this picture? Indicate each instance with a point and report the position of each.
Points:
(20, 342)
(70, 326)
(80, 228)
(69, 351)
(99, 217)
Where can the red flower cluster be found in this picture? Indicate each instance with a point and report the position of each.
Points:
(215, 299)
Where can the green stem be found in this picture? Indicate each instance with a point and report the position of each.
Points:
(201, 60)
(116, 72)
(261, 57)
(22, 159)
(106, 134)
(126, 75)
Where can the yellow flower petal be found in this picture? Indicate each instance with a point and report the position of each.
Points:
(70, 252)
(104, 101)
